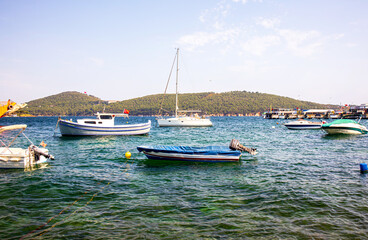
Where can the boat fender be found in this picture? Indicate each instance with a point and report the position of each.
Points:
(363, 168)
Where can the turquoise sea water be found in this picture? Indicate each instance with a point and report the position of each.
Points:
(301, 185)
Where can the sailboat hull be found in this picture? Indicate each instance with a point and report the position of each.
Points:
(184, 122)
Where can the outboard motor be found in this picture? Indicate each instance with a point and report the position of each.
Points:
(235, 145)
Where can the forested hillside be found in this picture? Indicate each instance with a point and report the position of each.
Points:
(236, 102)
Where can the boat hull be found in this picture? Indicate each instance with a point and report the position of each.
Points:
(68, 128)
(18, 158)
(184, 122)
(191, 154)
(303, 125)
(344, 130)
(344, 126)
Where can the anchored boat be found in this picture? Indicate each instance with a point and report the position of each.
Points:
(197, 154)
(194, 120)
(103, 125)
(302, 124)
(344, 126)
(11, 157)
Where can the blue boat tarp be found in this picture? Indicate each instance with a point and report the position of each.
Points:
(208, 150)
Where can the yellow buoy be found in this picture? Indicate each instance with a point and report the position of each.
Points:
(128, 155)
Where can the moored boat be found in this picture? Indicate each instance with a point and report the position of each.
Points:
(196, 154)
(194, 120)
(302, 124)
(13, 158)
(103, 125)
(344, 126)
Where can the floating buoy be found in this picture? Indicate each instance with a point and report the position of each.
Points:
(363, 168)
(273, 126)
(128, 155)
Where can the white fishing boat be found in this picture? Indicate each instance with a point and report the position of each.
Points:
(302, 124)
(194, 120)
(103, 125)
(344, 126)
(12, 158)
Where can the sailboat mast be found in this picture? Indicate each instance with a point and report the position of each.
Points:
(177, 74)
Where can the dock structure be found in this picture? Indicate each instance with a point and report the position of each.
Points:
(347, 112)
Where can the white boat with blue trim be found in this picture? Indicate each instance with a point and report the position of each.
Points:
(344, 126)
(103, 125)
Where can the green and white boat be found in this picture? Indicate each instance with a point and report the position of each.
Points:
(344, 126)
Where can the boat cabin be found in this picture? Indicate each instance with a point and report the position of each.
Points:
(102, 119)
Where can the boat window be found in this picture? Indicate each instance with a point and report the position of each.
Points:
(99, 122)
(105, 116)
(90, 122)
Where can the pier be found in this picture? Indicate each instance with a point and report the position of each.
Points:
(346, 112)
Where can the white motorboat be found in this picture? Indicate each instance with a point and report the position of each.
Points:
(344, 126)
(193, 120)
(12, 158)
(302, 124)
(103, 125)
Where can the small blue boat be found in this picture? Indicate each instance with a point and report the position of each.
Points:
(196, 154)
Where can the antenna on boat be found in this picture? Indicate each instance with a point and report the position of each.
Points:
(177, 75)
(167, 84)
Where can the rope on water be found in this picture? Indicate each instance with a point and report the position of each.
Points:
(127, 167)
(57, 124)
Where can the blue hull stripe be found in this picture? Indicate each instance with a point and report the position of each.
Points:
(106, 129)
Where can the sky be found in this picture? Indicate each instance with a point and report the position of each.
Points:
(309, 50)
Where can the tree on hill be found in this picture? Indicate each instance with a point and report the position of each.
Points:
(235, 102)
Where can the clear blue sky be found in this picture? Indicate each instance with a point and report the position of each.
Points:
(309, 50)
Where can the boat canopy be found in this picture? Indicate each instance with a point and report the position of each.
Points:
(13, 127)
(208, 150)
(339, 121)
(112, 114)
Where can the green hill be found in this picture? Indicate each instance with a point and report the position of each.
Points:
(236, 102)
(66, 103)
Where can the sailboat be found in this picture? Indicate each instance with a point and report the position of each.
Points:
(193, 120)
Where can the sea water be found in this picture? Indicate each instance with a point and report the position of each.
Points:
(303, 184)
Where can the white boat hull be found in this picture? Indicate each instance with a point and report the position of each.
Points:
(303, 125)
(68, 128)
(348, 128)
(184, 122)
(18, 158)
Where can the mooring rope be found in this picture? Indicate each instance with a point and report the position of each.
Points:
(127, 167)
(57, 125)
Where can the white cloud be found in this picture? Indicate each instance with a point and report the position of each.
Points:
(301, 43)
(267, 22)
(200, 39)
(258, 45)
(216, 15)
(245, 1)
